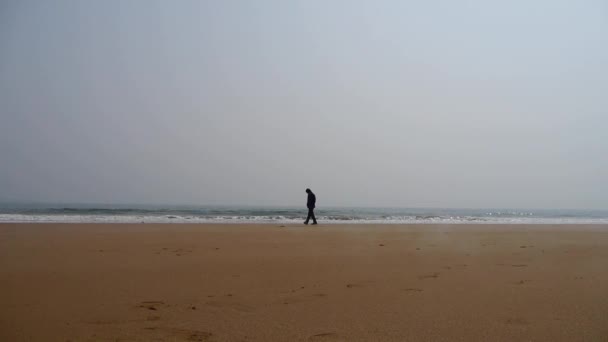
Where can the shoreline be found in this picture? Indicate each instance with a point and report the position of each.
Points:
(336, 226)
(325, 224)
(289, 215)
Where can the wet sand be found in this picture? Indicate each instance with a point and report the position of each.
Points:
(161, 282)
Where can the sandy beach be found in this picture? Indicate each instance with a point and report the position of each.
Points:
(160, 282)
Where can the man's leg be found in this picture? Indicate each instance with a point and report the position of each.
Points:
(309, 215)
(314, 219)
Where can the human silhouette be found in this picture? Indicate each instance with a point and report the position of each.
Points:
(310, 203)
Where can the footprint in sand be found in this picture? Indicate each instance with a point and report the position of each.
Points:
(194, 335)
(413, 289)
(360, 284)
(429, 276)
(522, 282)
(184, 334)
(301, 288)
(229, 305)
(176, 252)
(106, 322)
(519, 265)
(297, 299)
(152, 305)
(329, 336)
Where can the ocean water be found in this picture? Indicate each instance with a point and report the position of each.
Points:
(192, 214)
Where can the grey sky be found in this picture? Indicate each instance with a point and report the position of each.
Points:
(369, 103)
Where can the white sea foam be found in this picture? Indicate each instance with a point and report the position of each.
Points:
(523, 219)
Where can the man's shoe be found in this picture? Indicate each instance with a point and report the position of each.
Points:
(314, 223)
(305, 222)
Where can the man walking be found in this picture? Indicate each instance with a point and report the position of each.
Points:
(310, 203)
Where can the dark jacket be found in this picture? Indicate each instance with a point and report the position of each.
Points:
(312, 199)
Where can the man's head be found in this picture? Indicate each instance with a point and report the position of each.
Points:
(308, 191)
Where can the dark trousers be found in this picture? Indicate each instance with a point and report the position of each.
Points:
(311, 214)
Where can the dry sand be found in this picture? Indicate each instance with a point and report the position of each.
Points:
(116, 282)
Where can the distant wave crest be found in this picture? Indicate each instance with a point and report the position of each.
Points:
(75, 215)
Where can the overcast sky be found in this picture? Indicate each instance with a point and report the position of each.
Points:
(369, 103)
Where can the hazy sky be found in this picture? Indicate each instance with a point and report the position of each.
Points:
(369, 103)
